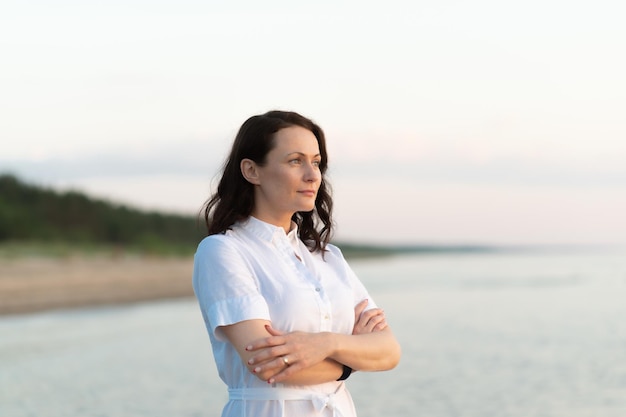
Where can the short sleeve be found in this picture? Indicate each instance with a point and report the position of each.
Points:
(359, 291)
(225, 285)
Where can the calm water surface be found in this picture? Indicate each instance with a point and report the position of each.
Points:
(483, 335)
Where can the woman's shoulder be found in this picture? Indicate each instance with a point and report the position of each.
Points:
(333, 249)
(333, 252)
(215, 242)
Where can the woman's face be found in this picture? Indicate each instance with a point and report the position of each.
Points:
(290, 178)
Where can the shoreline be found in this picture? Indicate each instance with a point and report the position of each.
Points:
(30, 285)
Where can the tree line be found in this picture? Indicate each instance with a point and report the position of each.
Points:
(34, 213)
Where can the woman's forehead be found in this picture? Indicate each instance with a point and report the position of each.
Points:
(296, 139)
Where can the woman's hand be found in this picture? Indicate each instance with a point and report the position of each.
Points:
(243, 334)
(372, 320)
(283, 354)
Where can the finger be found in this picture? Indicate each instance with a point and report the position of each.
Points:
(368, 315)
(377, 323)
(358, 309)
(380, 326)
(273, 367)
(285, 373)
(268, 354)
(374, 321)
(266, 342)
(273, 331)
(270, 367)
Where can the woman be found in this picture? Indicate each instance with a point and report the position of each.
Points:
(287, 318)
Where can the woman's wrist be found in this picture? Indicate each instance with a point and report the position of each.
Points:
(330, 341)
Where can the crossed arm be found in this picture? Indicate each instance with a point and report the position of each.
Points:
(314, 358)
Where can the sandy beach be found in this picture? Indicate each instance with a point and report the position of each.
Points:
(38, 284)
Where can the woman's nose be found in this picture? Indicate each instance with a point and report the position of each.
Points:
(313, 173)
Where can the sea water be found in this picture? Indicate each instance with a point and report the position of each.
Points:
(520, 334)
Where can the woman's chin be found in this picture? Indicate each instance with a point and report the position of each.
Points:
(306, 209)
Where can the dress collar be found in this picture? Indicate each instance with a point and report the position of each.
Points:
(268, 232)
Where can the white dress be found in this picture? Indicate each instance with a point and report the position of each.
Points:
(252, 272)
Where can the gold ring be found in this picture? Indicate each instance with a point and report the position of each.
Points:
(285, 360)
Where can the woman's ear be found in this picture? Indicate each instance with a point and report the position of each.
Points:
(249, 171)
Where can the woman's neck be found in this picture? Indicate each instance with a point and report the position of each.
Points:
(284, 222)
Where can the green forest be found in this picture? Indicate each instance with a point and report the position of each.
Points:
(33, 214)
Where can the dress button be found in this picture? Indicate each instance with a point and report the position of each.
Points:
(318, 289)
(326, 317)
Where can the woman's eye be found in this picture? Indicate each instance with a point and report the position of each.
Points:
(317, 163)
(295, 161)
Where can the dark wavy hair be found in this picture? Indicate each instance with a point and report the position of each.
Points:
(234, 199)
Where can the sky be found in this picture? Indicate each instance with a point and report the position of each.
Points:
(447, 122)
